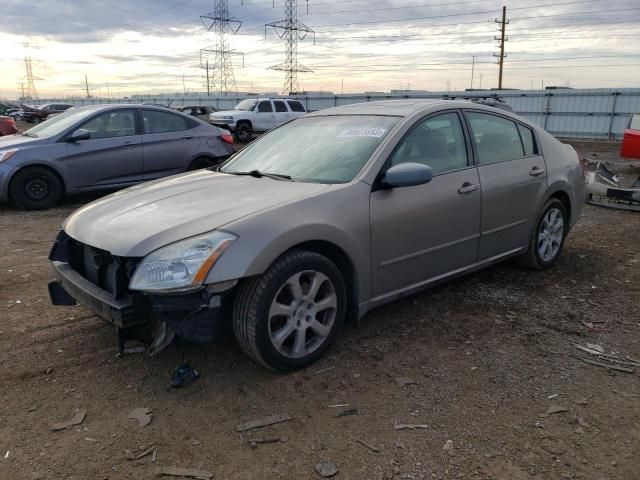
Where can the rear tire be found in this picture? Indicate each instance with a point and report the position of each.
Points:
(34, 120)
(548, 237)
(35, 188)
(289, 316)
(201, 162)
(244, 132)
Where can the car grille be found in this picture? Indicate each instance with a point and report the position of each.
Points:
(109, 272)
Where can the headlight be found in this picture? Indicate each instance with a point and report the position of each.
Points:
(7, 154)
(181, 266)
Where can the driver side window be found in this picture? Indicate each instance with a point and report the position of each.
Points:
(119, 123)
(437, 142)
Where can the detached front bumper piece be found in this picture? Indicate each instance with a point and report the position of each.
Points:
(99, 281)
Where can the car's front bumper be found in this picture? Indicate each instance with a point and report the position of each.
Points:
(194, 316)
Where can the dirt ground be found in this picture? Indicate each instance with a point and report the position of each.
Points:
(489, 354)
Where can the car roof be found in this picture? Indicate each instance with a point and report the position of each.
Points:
(401, 108)
(122, 105)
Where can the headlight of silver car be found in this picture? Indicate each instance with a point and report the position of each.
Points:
(181, 266)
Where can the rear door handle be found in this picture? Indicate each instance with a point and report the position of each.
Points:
(535, 171)
(468, 188)
(188, 137)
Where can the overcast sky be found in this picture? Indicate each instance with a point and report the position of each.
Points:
(150, 46)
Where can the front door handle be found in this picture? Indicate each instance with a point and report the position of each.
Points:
(468, 188)
(188, 137)
(535, 171)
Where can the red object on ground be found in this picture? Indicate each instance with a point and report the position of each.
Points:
(631, 139)
(7, 126)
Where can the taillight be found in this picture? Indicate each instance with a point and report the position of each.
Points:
(227, 137)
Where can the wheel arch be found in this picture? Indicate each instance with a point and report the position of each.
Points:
(39, 165)
(344, 263)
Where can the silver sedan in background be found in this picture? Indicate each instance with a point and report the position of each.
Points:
(318, 221)
(104, 147)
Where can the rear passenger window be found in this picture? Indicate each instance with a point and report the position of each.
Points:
(280, 106)
(528, 141)
(161, 122)
(497, 139)
(295, 106)
(265, 107)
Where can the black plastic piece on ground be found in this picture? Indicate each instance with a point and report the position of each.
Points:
(184, 376)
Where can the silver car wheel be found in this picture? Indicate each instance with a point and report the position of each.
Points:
(302, 314)
(550, 234)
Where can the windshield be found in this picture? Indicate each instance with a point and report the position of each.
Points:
(315, 149)
(59, 123)
(246, 105)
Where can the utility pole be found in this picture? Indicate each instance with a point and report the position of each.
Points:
(86, 85)
(501, 40)
(292, 30)
(221, 77)
(473, 66)
(208, 82)
(22, 90)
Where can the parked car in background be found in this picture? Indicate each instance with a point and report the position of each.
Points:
(257, 115)
(321, 219)
(631, 139)
(7, 126)
(6, 108)
(200, 111)
(40, 113)
(104, 147)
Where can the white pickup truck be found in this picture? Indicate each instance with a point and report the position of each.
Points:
(257, 115)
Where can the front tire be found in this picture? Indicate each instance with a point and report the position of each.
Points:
(244, 132)
(289, 316)
(35, 188)
(201, 162)
(548, 237)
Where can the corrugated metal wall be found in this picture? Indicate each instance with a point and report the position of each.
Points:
(579, 113)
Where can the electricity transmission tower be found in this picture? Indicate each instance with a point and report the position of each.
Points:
(30, 91)
(291, 30)
(219, 73)
(501, 40)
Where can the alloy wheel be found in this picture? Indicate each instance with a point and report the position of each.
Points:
(550, 234)
(302, 314)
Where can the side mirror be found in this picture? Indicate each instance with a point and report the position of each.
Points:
(80, 134)
(406, 175)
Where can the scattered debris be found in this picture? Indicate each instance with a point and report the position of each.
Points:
(267, 440)
(183, 472)
(403, 381)
(596, 347)
(263, 422)
(618, 368)
(448, 447)
(184, 376)
(326, 469)
(368, 445)
(551, 397)
(32, 408)
(556, 409)
(48, 370)
(582, 423)
(338, 405)
(402, 426)
(132, 456)
(580, 401)
(6, 455)
(553, 446)
(346, 413)
(142, 414)
(77, 419)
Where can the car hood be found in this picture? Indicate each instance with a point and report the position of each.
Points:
(227, 113)
(10, 141)
(138, 220)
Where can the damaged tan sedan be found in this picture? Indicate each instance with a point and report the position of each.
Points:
(320, 221)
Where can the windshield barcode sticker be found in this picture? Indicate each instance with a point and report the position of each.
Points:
(362, 132)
